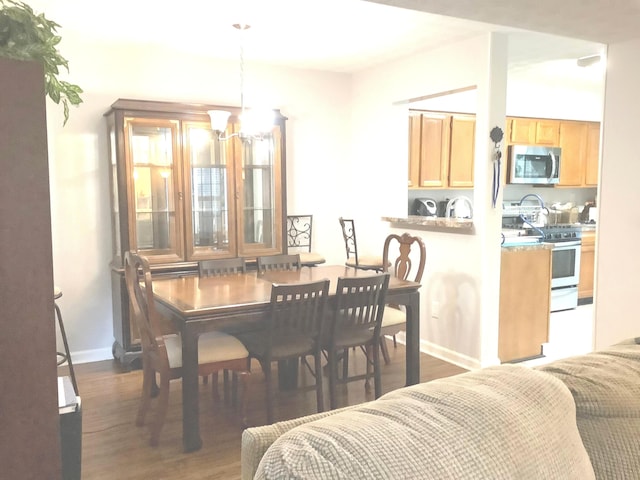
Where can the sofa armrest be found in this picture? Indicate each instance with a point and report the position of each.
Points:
(256, 440)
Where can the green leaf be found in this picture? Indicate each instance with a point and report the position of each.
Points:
(25, 35)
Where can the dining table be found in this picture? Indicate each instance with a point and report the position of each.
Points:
(240, 302)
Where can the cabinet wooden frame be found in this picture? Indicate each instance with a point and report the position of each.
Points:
(178, 122)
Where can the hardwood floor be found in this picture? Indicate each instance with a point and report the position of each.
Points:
(113, 447)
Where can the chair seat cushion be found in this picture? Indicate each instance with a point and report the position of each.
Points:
(311, 258)
(283, 347)
(212, 347)
(393, 316)
(366, 261)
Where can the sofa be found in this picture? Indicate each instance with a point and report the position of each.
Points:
(576, 418)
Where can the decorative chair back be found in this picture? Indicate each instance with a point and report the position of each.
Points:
(223, 266)
(297, 312)
(299, 233)
(349, 235)
(278, 262)
(359, 306)
(140, 288)
(402, 265)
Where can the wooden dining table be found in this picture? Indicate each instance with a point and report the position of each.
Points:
(240, 302)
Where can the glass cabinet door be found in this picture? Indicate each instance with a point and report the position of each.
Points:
(155, 218)
(210, 213)
(260, 205)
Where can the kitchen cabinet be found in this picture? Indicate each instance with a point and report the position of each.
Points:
(179, 194)
(587, 264)
(441, 150)
(573, 142)
(592, 156)
(580, 143)
(533, 131)
(525, 301)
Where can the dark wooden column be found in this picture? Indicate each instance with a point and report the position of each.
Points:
(29, 422)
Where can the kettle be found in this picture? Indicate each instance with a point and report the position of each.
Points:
(459, 207)
(426, 207)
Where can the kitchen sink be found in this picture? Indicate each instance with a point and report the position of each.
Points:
(513, 241)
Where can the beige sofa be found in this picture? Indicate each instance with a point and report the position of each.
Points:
(577, 418)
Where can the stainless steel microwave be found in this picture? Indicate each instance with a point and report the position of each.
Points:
(534, 164)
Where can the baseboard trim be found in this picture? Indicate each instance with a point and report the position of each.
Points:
(87, 356)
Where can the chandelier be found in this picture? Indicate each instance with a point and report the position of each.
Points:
(254, 124)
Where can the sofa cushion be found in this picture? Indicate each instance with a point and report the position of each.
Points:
(502, 422)
(606, 388)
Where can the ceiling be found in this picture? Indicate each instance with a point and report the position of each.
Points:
(344, 35)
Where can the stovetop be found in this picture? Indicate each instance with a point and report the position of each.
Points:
(562, 233)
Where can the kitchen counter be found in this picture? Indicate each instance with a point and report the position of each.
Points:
(528, 246)
(438, 224)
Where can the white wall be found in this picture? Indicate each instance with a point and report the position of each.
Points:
(317, 105)
(617, 260)
(457, 275)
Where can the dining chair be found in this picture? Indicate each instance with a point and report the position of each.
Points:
(278, 262)
(356, 322)
(355, 259)
(162, 354)
(221, 266)
(292, 330)
(402, 266)
(299, 237)
(215, 268)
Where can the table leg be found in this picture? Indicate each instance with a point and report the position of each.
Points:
(190, 414)
(288, 374)
(413, 339)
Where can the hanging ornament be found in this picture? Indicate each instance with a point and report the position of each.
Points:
(496, 136)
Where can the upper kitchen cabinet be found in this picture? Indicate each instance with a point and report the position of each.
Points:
(580, 144)
(441, 150)
(533, 131)
(179, 194)
(592, 154)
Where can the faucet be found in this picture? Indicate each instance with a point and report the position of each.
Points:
(542, 207)
(452, 202)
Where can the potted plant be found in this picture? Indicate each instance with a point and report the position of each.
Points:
(27, 36)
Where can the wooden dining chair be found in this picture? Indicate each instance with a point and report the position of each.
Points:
(356, 322)
(292, 330)
(215, 268)
(299, 237)
(278, 262)
(162, 354)
(399, 262)
(221, 266)
(355, 259)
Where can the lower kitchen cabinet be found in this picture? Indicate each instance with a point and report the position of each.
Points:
(587, 263)
(525, 301)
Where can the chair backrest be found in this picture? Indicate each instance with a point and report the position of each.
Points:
(140, 288)
(299, 233)
(360, 305)
(349, 235)
(403, 266)
(222, 266)
(297, 309)
(278, 262)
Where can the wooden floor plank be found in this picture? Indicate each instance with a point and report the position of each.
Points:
(113, 447)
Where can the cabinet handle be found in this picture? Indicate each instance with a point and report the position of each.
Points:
(180, 195)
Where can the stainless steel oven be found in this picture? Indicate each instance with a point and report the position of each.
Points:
(565, 265)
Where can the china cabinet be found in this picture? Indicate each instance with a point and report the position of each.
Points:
(180, 194)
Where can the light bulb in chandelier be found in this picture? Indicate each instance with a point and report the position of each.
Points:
(254, 123)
